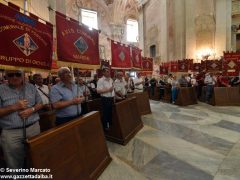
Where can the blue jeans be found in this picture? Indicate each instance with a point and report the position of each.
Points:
(209, 92)
(174, 94)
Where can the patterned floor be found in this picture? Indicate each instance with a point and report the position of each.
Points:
(199, 142)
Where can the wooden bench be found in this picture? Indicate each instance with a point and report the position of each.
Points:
(156, 95)
(226, 96)
(186, 96)
(126, 121)
(167, 94)
(75, 150)
(47, 120)
(143, 103)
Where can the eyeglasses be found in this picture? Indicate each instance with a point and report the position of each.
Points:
(17, 74)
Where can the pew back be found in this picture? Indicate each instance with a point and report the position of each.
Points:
(75, 150)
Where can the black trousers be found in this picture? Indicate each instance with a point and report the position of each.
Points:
(107, 105)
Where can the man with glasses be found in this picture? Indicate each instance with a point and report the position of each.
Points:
(66, 98)
(19, 101)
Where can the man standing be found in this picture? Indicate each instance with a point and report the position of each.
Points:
(93, 88)
(130, 83)
(138, 83)
(120, 87)
(106, 90)
(210, 82)
(42, 90)
(19, 102)
(66, 97)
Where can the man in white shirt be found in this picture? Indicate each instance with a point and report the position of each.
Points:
(120, 87)
(106, 90)
(129, 82)
(210, 82)
(42, 90)
(138, 83)
(83, 88)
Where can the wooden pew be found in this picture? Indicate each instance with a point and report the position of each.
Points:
(143, 103)
(156, 95)
(167, 94)
(47, 120)
(75, 150)
(226, 96)
(126, 121)
(186, 96)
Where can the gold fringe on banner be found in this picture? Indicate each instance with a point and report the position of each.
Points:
(120, 68)
(6, 67)
(78, 65)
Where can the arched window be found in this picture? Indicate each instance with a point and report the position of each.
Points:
(89, 18)
(132, 30)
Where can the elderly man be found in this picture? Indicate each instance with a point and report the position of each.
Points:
(106, 90)
(183, 81)
(42, 90)
(138, 83)
(66, 97)
(130, 83)
(83, 88)
(19, 102)
(120, 87)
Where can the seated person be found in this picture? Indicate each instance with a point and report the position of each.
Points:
(183, 82)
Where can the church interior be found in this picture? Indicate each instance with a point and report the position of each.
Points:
(154, 135)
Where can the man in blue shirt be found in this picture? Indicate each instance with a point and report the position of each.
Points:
(66, 98)
(18, 101)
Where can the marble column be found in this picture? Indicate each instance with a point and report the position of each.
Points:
(179, 29)
(223, 26)
(190, 29)
(163, 31)
(141, 28)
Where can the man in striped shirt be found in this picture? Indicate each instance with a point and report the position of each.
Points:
(18, 101)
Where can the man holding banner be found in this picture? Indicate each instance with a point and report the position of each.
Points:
(18, 101)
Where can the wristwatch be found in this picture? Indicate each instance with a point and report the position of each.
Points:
(33, 109)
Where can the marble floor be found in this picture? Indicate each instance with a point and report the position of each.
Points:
(198, 142)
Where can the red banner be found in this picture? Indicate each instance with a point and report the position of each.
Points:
(120, 56)
(183, 65)
(76, 44)
(231, 63)
(136, 58)
(174, 66)
(203, 66)
(190, 64)
(196, 67)
(26, 42)
(163, 70)
(147, 64)
(214, 65)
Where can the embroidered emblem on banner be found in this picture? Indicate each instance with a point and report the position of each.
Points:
(183, 66)
(81, 45)
(137, 58)
(26, 45)
(213, 65)
(147, 65)
(122, 56)
(231, 64)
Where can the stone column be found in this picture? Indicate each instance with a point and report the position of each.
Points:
(141, 28)
(179, 30)
(223, 26)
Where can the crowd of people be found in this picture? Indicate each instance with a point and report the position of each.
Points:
(23, 100)
(198, 80)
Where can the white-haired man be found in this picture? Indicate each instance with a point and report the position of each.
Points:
(65, 97)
